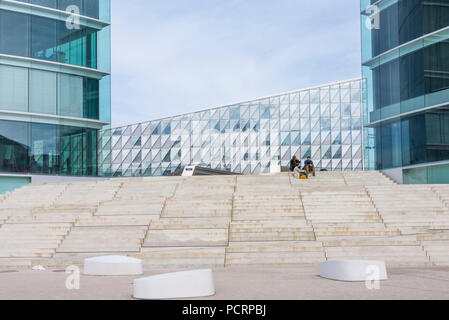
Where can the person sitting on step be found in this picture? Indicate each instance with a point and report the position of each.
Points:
(294, 163)
(295, 166)
(309, 167)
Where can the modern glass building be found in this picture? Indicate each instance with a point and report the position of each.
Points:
(54, 86)
(405, 53)
(323, 122)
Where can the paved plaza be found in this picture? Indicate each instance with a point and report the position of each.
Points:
(238, 283)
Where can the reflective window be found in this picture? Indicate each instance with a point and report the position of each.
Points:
(386, 80)
(14, 33)
(71, 96)
(414, 140)
(407, 20)
(14, 146)
(45, 3)
(36, 91)
(387, 36)
(77, 46)
(47, 39)
(44, 152)
(43, 38)
(13, 88)
(91, 97)
(47, 149)
(419, 73)
(90, 8)
(64, 4)
(43, 92)
(436, 67)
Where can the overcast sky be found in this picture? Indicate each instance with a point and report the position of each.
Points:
(176, 56)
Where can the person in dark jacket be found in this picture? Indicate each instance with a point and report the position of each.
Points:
(309, 166)
(294, 163)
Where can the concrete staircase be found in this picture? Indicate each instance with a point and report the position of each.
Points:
(220, 221)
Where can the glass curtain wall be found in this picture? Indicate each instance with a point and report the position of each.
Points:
(405, 63)
(45, 92)
(47, 149)
(54, 85)
(413, 140)
(324, 123)
(47, 39)
(97, 9)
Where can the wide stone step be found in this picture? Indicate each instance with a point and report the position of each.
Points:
(26, 254)
(270, 223)
(435, 242)
(267, 216)
(14, 243)
(181, 257)
(76, 210)
(128, 220)
(272, 236)
(194, 213)
(318, 220)
(117, 205)
(359, 233)
(286, 258)
(114, 238)
(353, 237)
(29, 237)
(270, 207)
(351, 228)
(7, 231)
(63, 260)
(103, 239)
(47, 218)
(275, 246)
(387, 241)
(375, 250)
(180, 252)
(418, 224)
(187, 238)
(38, 226)
(398, 261)
(102, 247)
(14, 263)
(192, 223)
(342, 214)
(436, 254)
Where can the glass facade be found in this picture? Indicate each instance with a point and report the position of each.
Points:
(429, 174)
(54, 85)
(405, 53)
(97, 9)
(324, 123)
(47, 39)
(39, 148)
(46, 92)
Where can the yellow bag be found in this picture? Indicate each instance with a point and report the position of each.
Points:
(303, 177)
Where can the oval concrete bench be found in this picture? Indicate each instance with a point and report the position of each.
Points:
(354, 270)
(112, 266)
(186, 284)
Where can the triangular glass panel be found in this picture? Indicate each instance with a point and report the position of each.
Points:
(336, 152)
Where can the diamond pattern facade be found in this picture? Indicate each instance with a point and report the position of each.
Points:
(322, 122)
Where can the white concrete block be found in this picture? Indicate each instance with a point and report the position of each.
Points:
(354, 270)
(112, 266)
(186, 284)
